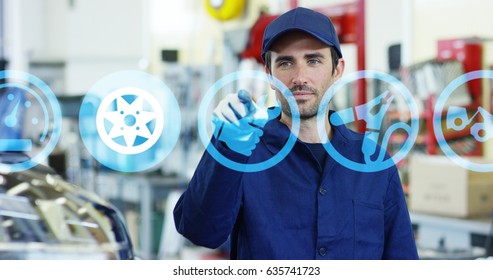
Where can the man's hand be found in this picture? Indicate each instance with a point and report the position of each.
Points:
(239, 121)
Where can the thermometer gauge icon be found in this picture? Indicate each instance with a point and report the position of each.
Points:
(30, 119)
(13, 121)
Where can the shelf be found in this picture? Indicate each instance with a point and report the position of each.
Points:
(142, 190)
(479, 225)
(455, 236)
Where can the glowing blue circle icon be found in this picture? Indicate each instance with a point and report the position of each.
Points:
(203, 117)
(129, 121)
(374, 159)
(437, 121)
(30, 120)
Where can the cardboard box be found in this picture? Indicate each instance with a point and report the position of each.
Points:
(439, 186)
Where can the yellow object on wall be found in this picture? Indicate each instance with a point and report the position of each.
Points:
(225, 9)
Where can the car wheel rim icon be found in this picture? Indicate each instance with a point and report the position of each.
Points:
(129, 120)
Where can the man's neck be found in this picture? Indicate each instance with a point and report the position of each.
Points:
(308, 128)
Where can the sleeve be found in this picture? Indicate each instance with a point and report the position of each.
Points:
(399, 237)
(206, 212)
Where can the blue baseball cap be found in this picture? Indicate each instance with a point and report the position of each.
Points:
(302, 19)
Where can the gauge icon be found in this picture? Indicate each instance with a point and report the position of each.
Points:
(30, 120)
(129, 127)
(14, 103)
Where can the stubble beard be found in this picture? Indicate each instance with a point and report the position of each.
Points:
(308, 109)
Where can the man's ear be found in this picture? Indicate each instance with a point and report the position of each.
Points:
(339, 68)
(269, 77)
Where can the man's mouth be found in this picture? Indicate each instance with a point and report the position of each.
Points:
(302, 95)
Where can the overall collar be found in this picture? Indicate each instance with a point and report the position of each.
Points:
(276, 135)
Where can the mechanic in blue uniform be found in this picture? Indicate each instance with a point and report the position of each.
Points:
(308, 206)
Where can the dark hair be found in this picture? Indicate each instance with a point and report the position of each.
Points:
(333, 52)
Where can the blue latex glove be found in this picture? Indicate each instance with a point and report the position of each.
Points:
(239, 121)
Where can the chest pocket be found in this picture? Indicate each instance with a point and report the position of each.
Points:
(368, 230)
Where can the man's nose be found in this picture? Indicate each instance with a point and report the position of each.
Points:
(300, 76)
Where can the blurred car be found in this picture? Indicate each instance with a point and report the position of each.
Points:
(42, 216)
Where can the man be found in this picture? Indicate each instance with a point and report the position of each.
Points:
(308, 206)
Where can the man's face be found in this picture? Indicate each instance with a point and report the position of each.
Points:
(304, 65)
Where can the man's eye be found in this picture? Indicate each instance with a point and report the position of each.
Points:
(313, 61)
(284, 63)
